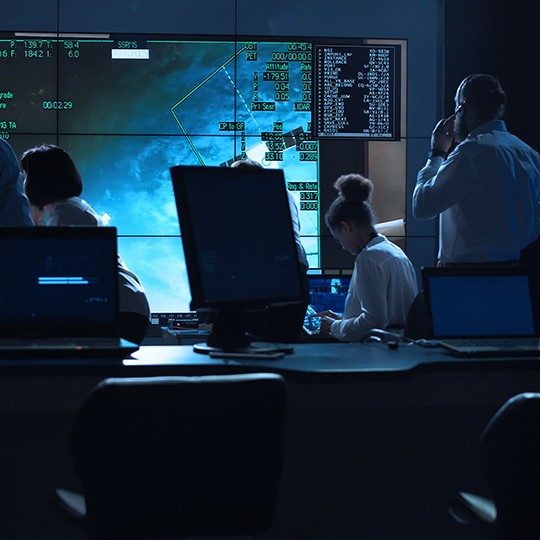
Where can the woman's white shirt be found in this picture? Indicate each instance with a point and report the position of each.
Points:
(383, 286)
(72, 211)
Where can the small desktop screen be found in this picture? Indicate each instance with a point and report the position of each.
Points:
(328, 292)
(237, 235)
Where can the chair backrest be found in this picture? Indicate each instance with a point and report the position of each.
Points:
(530, 258)
(510, 459)
(417, 324)
(181, 455)
(530, 254)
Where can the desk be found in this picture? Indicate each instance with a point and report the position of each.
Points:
(328, 359)
(377, 440)
(319, 360)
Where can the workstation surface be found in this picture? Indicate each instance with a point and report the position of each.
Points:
(317, 359)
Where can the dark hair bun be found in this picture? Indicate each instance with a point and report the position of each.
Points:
(354, 187)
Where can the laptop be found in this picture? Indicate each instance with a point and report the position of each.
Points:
(59, 293)
(484, 311)
(326, 292)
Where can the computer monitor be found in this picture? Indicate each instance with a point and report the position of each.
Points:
(239, 245)
(59, 281)
(477, 302)
(328, 291)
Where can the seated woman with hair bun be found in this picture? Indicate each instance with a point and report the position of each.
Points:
(383, 283)
(53, 185)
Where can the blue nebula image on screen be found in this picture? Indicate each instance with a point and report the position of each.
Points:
(481, 306)
(173, 109)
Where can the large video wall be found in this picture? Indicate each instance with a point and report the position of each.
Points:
(128, 107)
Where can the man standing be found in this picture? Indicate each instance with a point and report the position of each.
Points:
(487, 190)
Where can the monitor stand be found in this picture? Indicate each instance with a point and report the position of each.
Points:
(228, 335)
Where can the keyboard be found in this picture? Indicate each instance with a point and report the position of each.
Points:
(527, 346)
(495, 342)
(58, 343)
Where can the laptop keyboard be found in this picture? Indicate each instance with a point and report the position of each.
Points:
(495, 342)
(58, 343)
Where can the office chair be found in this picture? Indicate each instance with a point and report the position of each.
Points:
(510, 460)
(530, 258)
(178, 456)
(530, 255)
(417, 323)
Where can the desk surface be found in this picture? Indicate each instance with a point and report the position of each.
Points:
(320, 359)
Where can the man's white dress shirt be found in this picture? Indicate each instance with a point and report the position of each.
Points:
(487, 194)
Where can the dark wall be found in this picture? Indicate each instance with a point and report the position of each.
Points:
(491, 36)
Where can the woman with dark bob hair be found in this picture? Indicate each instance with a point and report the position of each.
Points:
(53, 186)
(383, 283)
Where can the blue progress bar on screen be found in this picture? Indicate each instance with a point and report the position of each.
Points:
(62, 280)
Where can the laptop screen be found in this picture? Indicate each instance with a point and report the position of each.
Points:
(328, 292)
(480, 305)
(58, 281)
